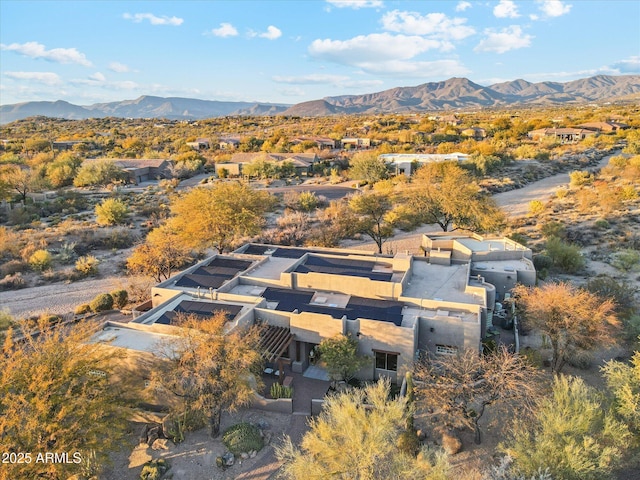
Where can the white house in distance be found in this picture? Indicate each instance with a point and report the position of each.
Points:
(404, 163)
(396, 306)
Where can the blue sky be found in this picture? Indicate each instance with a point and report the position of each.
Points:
(292, 51)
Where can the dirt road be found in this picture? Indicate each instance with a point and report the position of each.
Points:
(63, 298)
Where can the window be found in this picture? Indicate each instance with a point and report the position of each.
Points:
(446, 350)
(387, 361)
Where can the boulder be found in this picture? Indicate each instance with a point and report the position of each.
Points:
(229, 459)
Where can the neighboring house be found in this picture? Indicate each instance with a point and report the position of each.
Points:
(229, 143)
(605, 127)
(66, 145)
(200, 144)
(355, 143)
(396, 306)
(564, 135)
(405, 163)
(476, 133)
(302, 162)
(140, 169)
(322, 143)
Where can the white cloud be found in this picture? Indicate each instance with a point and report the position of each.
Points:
(462, 6)
(554, 8)
(371, 48)
(47, 78)
(225, 30)
(506, 9)
(412, 23)
(153, 19)
(628, 66)
(272, 33)
(510, 38)
(356, 4)
(58, 55)
(98, 77)
(118, 67)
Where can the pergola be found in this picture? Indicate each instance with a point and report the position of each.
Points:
(274, 341)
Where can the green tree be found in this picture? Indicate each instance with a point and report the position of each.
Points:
(371, 210)
(160, 255)
(102, 172)
(219, 216)
(111, 211)
(55, 396)
(18, 179)
(564, 256)
(572, 434)
(367, 166)
(573, 320)
(63, 170)
(356, 437)
(212, 370)
(445, 194)
(340, 354)
(456, 389)
(623, 381)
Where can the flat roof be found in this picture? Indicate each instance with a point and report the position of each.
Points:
(378, 271)
(489, 245)
(139, 340)
(440, 282)
(214, 274)
(287, 300)
(199, 309)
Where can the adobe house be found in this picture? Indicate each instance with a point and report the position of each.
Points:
(396, 306)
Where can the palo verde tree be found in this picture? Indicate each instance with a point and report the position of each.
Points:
(371, 209)
(161, 254)
(55, 396)
(456, 389)
(340, 354)
(446, 194)
(572, 319)
(212, 370)
(367, 166)
(572, 434)
(356, 436)
(220, 216)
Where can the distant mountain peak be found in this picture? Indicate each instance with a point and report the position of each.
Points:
(454, 93)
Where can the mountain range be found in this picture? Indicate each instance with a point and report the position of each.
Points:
(455, 93)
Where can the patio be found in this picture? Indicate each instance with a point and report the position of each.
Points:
(304, 389)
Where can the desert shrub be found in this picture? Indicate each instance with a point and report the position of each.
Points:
(10, 244)
(101, 303)
(553, 229)
(242, 437)
(280, 391)
(13, 266)
(626, 260)
(82, 309)
(408, 442)
(536, 207)
(631, 327)
(579, 178)
(565, 257)
(67, 253)
(114, 238)
(622, 294)
(120, 298)
(6, 320)
(154, 469)
(519, 238)
(87, 265)
(111, 211)
(40, 260)
(601, 224)
(12, 282)
(561, 193)
(542, 262)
